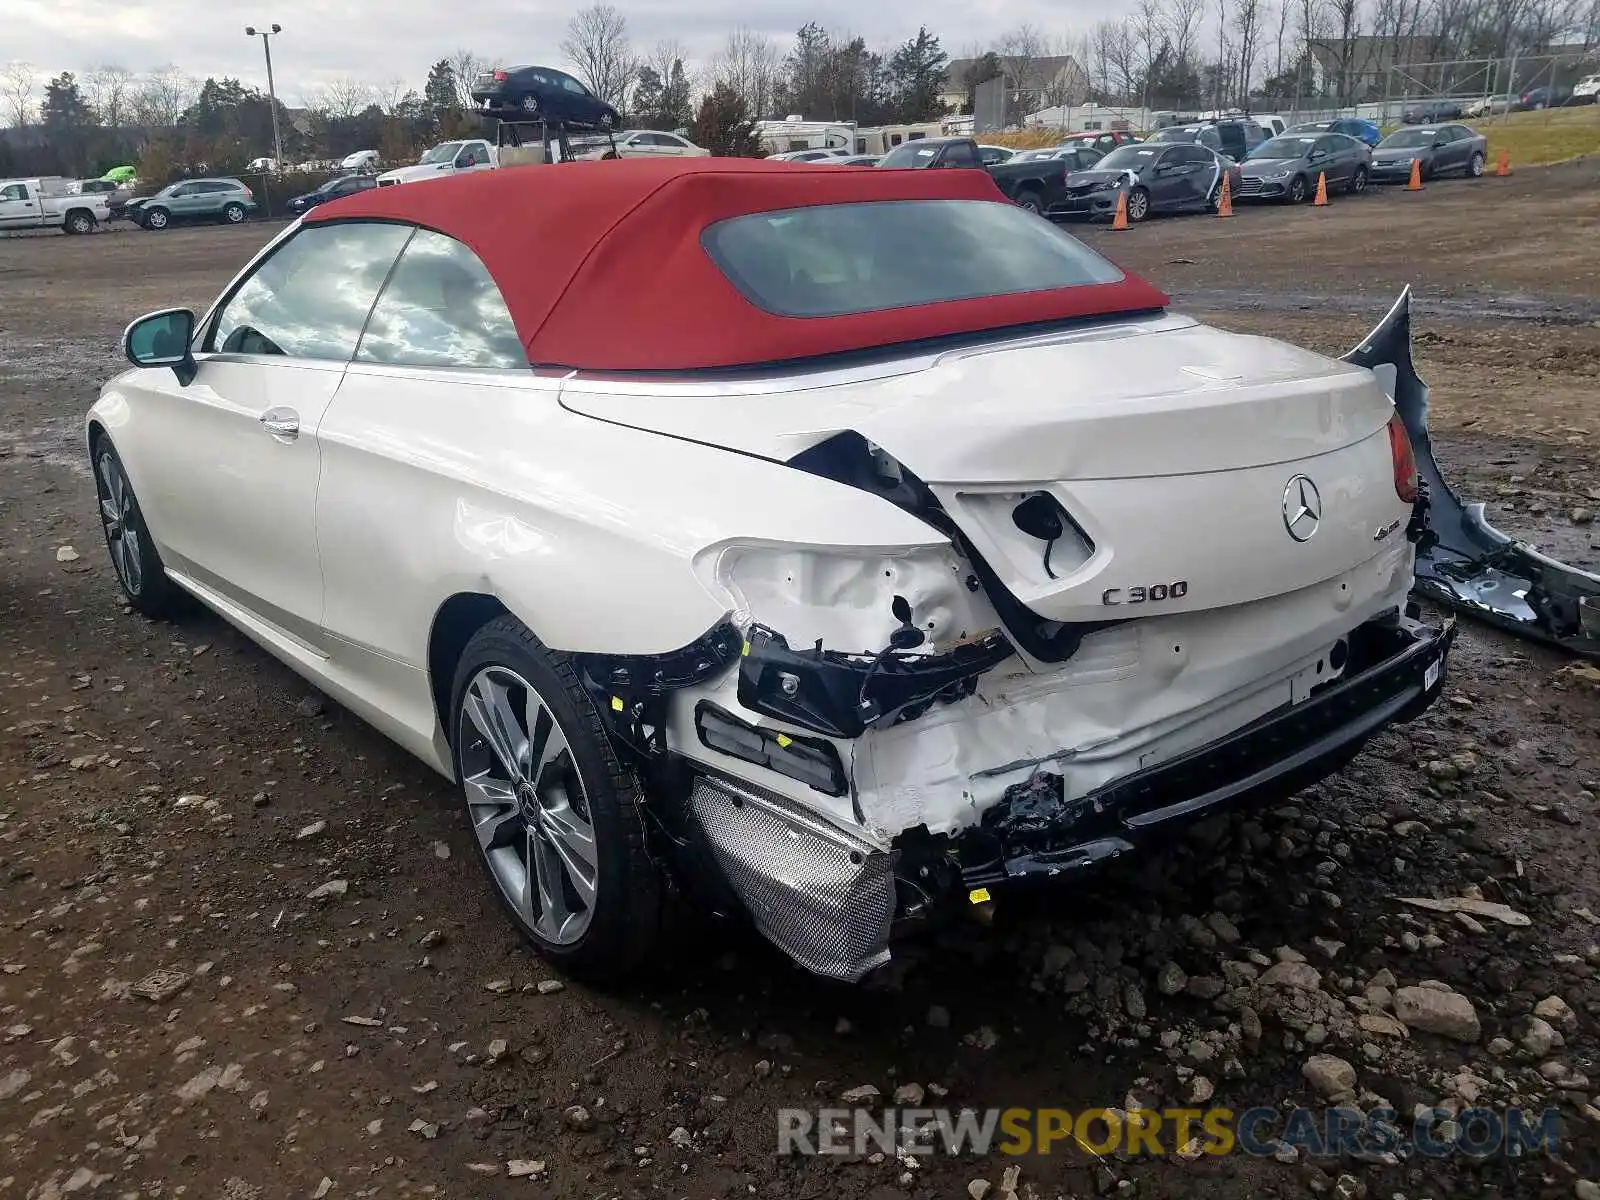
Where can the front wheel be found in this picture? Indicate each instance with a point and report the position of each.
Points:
(157, 219)
(1475, 165)
(233, 214)
(1358, 181)
(557, 818)
(1138, 205)
(134, 556)
(1298, 190)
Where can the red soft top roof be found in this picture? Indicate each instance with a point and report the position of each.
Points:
(602, 268)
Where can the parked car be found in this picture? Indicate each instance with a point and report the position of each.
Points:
(1585, 91)
(30, 204)
(1490, 105)
(816, 154)
(575, 543)
(344, 185)
(222, 199)
(545, 93)
(1156, 177)
(1044, 153)
(1105, 142)
(853, 160)
(459, 157)
(651, 143)
(1287, 168)
(1543, 97)
(1233, 138)
(995, 155)
(1038, 185)
(1356, 127)
(360, 160)
(1432, 112)
(1270, 122)
(1439, 149)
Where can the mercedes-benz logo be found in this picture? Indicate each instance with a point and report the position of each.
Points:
(1302, 508)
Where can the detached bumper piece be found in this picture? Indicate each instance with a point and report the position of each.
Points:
(1394, 674)
(1463, 561)
(842, 694)
(821, 896)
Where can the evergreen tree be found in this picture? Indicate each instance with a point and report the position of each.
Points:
(916, 75)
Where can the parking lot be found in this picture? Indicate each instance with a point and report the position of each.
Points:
(172, 798)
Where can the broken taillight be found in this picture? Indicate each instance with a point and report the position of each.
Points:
(1405, 463)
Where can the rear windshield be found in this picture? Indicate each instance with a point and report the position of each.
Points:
(836, 259)
(1284, 147)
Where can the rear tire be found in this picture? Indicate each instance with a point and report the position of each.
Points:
(530, 103)
(134, 557)
(78, 221)
(1029, 200)
(1475, 165)
(233, 214)
(560, 832)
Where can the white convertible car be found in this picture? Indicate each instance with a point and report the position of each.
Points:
(848, 546)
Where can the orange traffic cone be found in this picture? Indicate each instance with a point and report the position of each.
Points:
(1322, 191)
(1504, 168)
(1225, 201)
(1120, 221)
(1414, 184)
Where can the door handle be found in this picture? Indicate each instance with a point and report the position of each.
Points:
(281, 423)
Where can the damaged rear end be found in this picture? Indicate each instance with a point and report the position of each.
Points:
(1166, 572)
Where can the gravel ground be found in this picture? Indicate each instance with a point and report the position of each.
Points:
(247, 953)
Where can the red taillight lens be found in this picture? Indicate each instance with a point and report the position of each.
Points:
(249, 195)
(1405, 463)
(500, 76)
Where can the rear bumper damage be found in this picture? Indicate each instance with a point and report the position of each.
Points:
(830, 898)
(1463, 562)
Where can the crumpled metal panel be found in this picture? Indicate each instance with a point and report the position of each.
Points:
(1464, 562)
(824, 898)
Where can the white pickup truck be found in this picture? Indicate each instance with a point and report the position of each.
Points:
(35, 204)
(446, 159)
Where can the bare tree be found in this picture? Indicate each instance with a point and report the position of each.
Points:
(1184, 18)
(343, 98)
(161, 97)
(664, 54)
(748, 63)
(390, 94)
(1021, 52)
(1247, 18)
(597, 43)
(465, 67)
(107, 90)
(17, 86)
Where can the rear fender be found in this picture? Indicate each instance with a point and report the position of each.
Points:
(1463, 561)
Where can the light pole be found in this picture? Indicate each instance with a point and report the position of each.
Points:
(272, 93)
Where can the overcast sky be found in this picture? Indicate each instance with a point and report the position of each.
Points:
(383, 40)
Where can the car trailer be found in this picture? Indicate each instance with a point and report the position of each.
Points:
(525, 142)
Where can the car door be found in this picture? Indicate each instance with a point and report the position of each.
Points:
(1167, 179)
(435, 378)
(579, 102)
(226, 468)
(18, 207)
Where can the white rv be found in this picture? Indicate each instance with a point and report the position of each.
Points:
(795, 133)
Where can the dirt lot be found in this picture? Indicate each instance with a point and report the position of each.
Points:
(172, 797)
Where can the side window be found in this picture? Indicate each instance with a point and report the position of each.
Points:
(959, 154)
(572, 85)
(311, 297)
(441, 308)
(1209, 137)
(15, 191)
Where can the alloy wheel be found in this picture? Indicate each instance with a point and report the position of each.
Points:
(1138, 206)
(528, 805)
(117, 514)
(530, 104)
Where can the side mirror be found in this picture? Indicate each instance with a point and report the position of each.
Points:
(162, 340)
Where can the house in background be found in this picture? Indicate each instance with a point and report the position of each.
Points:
(1032, 83)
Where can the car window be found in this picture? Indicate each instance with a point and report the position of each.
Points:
(311, 297)
(441, 308)
(570, 84)
(960, 154)
(1209, 137)
(15, 191)
(835, 259)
